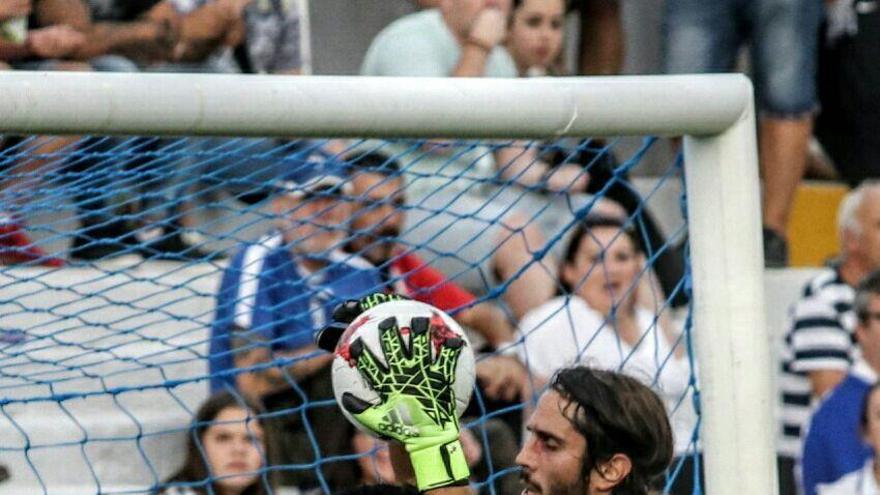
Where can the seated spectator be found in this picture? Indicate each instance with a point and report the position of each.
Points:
(834, 446)
(819, 344)
(598, 321)
(227, 451)
(376, 232)
(47, 40)
(865, 480)
(535, 37)
(463, 38)
(535, 42)
(274, 295)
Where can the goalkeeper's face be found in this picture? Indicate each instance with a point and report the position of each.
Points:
(312, 224)
(233, 446)
(553, 456)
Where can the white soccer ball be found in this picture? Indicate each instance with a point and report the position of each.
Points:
(347, 378)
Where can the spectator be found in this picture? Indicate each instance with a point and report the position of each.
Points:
(597, 321)
(865, 480)
(819, 344)
(43, 40)
(834, 445)
(537, 28)
(705, 36)
(535, 42)
(463, 38)
(376, 232)
(273, 296)
(226, 452)
(849, 119)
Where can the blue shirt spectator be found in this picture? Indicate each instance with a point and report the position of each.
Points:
(278, 291)
(266, 296)
(834, 445)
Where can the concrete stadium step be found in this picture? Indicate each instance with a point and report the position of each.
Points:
(111, 368)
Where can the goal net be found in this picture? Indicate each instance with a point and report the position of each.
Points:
(165, 242)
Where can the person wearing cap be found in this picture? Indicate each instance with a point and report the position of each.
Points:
(274, 295)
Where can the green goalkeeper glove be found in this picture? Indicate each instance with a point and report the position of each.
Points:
(417, 400)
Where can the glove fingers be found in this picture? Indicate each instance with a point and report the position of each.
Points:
(448, 358)
(393, 346)
(369, 366)
(420, 340)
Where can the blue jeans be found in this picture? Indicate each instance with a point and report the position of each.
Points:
(702, 36)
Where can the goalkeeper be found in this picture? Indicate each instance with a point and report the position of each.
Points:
(592, 432)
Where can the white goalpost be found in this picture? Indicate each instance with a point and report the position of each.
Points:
(714, 113)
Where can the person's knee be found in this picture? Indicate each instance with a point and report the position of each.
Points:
(697, 38)
(784, 55)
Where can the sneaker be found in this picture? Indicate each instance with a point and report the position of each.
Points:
(775, 249)
(17, 247)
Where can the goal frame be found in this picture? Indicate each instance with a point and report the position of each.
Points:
(714, 113)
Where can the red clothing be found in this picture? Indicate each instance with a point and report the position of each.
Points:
(411, 277)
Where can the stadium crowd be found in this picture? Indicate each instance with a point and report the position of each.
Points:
(349, 220)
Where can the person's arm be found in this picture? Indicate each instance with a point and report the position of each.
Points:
(488, 31)
(820, 344)
(140, 40)
(49, 42)
(205, 29)
(10, 9)
(823, 381)
(489, 321)
(521, 164)
(259, 383)
(73, 13)
(505, 378)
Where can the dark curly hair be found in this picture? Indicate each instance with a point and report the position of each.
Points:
(617, 414)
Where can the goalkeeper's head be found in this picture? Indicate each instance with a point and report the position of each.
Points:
(596, 432)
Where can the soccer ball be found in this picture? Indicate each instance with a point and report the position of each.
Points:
(347, 378)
